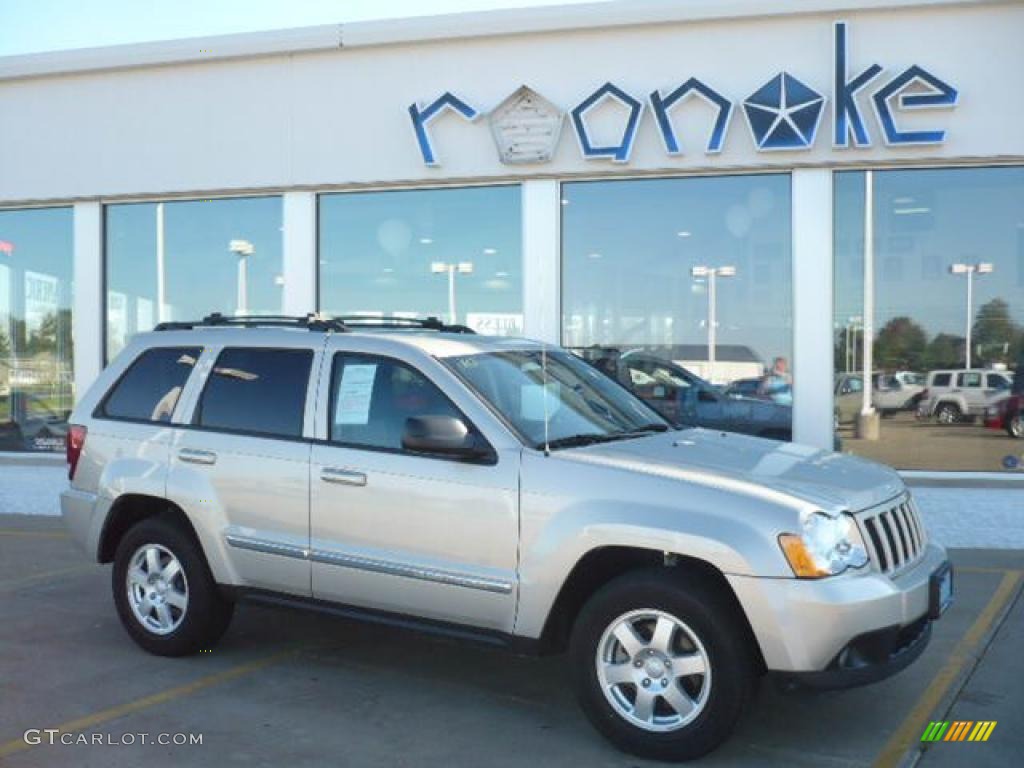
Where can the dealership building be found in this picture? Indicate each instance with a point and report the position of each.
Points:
(733, 187)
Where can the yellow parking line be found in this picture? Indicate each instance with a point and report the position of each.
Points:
(7, 586)
(35, 534)
(910, 729)
(106, 715)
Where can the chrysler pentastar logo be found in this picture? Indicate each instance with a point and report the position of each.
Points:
(784, 113)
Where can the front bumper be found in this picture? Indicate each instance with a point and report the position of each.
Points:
(851, 629)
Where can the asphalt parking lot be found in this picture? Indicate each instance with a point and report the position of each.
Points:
(289, 688)
(908, 443)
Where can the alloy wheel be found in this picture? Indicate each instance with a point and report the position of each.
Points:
(653, 670)
(157, 589)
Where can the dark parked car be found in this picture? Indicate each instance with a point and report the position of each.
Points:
(686, 400)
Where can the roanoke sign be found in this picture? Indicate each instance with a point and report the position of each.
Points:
(782, 113)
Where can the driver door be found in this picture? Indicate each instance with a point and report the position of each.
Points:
(399, 531)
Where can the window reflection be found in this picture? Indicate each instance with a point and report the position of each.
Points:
(36, 345)
(939, 236)
(455, 254)
(681, 289)
(182, 260)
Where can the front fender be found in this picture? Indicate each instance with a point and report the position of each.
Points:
(557, 536)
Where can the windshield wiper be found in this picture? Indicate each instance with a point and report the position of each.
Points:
(572, 441)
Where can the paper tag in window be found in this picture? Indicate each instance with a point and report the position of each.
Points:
(352, 406)
(531, 401)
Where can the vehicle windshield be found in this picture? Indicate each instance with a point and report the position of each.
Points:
(580, 404)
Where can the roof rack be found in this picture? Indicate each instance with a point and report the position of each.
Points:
(425, 323)
(314, 322)
(311, 322)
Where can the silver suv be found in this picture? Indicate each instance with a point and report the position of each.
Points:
(499, 489)
(952, 396)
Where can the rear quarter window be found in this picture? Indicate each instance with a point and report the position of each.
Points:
(257, 391)
(150, 388)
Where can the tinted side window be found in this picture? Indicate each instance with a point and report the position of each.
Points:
(968, 380)
(150, 388)
(942, 379)
(262, 391)
(372, 397)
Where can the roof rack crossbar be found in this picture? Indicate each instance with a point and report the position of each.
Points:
(311, 321)
(427, 323)
(314, 322)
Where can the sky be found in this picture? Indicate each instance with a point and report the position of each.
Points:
(31, 26)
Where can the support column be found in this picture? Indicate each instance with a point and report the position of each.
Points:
(813, 345)
(300, 256)
(88, 305)
(542, 296)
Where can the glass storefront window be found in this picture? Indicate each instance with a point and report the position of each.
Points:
(682, 290)
(182, 260)
(36, 346)
(948, 266)
(455, 254)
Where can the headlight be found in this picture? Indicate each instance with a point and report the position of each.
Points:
(827, 546)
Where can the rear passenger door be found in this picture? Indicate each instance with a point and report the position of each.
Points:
(243, 463)
(403, 532)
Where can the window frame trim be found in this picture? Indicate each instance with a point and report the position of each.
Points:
(192, 423)
(99, 412)
(490, 459)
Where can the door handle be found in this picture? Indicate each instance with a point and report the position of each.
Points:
(193, 456)
(342, 476)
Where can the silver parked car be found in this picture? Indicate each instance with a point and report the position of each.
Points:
(500, 489)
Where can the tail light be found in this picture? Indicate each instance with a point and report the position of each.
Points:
(76, 442)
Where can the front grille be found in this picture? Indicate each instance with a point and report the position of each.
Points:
(893, 534)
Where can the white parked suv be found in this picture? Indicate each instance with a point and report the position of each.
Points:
(952, 396)
(498, 489)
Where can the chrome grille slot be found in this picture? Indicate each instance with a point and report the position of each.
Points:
(892, 534)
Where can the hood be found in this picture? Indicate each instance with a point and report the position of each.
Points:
(786, 473)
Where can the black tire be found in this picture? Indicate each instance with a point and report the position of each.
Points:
(711, 613)
(948, 413)
(1015, 427)
(207, 615)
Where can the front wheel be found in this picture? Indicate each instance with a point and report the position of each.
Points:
(662, 664)
(165, 594)
(1015, 427)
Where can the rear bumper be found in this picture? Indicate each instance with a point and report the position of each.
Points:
(847, 630)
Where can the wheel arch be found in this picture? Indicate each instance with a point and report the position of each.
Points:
(129, 509)
(601, 565)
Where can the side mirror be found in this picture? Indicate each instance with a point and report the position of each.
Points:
(443, 436)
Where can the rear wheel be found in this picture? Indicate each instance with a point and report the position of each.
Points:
(662, 664)
(1015, 426)
(948, 413)
(165, 594)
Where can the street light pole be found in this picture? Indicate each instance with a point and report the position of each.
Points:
(712, 274)
(244, 249)
(981, 268)
(462, 268)
(161, 275)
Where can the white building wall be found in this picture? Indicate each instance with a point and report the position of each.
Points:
(339, 117)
